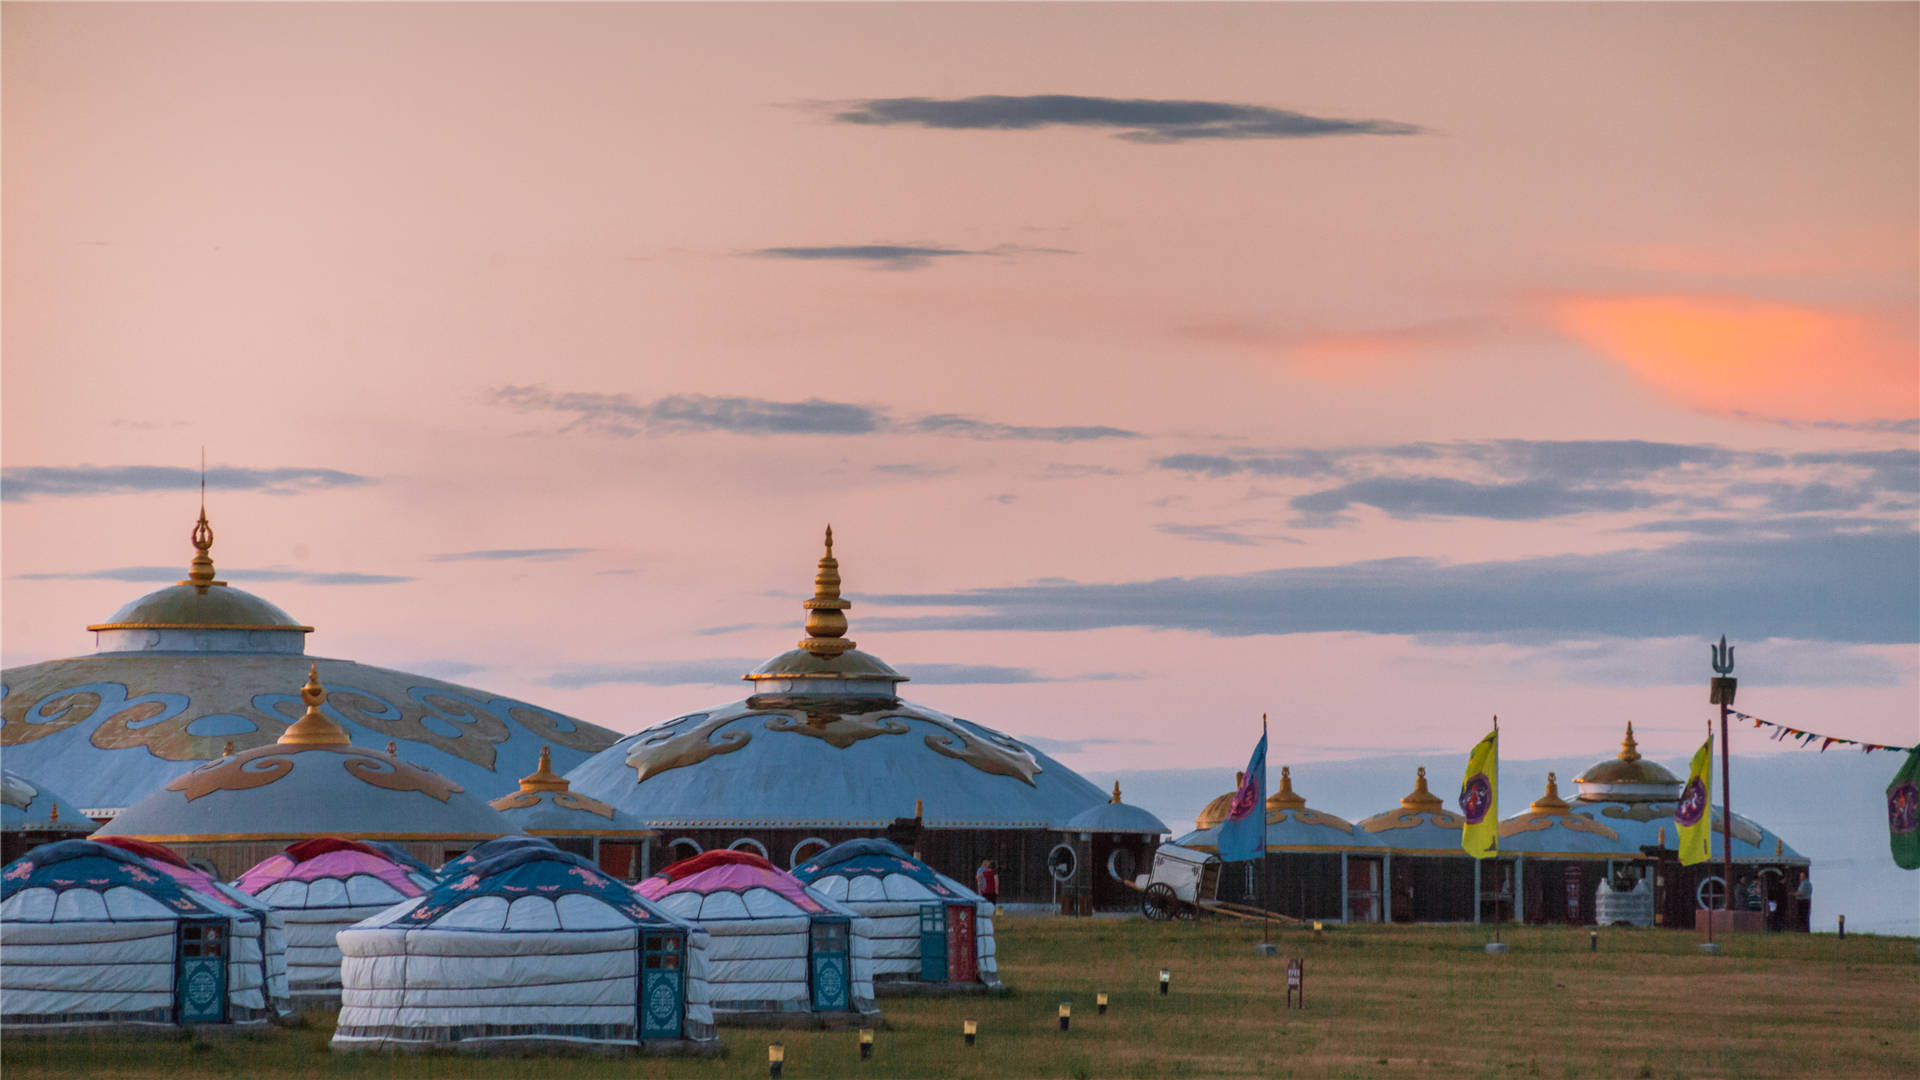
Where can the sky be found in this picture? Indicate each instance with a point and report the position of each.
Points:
(1377, 368)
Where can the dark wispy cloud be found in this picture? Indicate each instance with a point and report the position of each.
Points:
(1855, 587)
(1435, 496)
(497, 554)
(1908, 426)
(897, 256)
(621, 415)
(1143, 120)
(728, 672)
(167, 575)
(1235, 534)
(62, 481)
(1293, 463)
(1079, 746)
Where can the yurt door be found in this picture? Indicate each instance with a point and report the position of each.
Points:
(962, 965)
(832, 972)
(933, 942)
(200, 974)
(662, 1001)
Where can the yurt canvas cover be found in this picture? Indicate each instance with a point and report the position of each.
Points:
(778, 950)
(91, 935)
(320, 887)
(926, 927)
(532, 946)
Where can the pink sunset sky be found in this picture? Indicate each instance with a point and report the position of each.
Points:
(1377, 367)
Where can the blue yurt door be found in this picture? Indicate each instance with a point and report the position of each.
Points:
(662, 986)
(933, 942)
(832, 970)
(200, 975)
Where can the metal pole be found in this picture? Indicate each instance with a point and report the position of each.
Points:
(1723, 687)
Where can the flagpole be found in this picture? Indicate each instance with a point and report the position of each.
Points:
(1495, 811)
(1723, 686)
(1709, 826)
(1266, 917)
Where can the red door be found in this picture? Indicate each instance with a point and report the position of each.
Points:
(962, 965)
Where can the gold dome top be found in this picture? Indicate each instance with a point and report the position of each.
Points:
(200, 601)
(1285, 799)
(543, 777)
(1216, 811)
(315, 728)
(1420, 800)
(1551, 802)
(1628, 767)
(1116, 792)
(200, 570)
(826, 626)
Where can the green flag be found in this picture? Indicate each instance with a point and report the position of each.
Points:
(1903, 813)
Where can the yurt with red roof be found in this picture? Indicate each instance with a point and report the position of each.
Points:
(780, 952)
(321, 887)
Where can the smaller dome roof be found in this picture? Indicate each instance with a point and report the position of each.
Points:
(28, 807)
(1550, 827)
(546, 805)
(733, 885)
(1217, 810)
(1421, 823)
(872, 870)
(1293, 826)
(491, 849)
(528, 890)
(200, 602)
(1114, 816)
(1627, 777)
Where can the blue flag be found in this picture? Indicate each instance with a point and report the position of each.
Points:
(1244, 834)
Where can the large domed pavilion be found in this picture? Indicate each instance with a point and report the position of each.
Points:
(185, 672)
(824, 750)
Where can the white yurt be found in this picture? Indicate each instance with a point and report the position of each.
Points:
(927, 929)
(320, 887)
(780, 953)
(534, 947)
(94, 936)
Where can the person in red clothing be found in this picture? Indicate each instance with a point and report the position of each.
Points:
(986, 882)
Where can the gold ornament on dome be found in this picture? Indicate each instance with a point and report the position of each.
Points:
(839, 730)
(255, 768)
(543, 781)
(674, 747)
(1571, 822)
(826, 621)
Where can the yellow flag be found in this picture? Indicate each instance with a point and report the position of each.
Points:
(1690, 814)
(1480, 799)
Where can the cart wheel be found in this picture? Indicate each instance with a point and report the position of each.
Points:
(1160, 903)
(1186, 912)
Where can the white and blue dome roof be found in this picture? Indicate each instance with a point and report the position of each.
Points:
(186, 671)
(1294, 827)
(869, 869)
(1635, 798)
(1549, 828)
(87, 881)
(546, 805)
(532, 889)
(1114, 816)
(824, 741)
(1420, 825)
(27, 807)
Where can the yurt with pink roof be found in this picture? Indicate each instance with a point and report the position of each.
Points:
(780, 953)
(321, 887)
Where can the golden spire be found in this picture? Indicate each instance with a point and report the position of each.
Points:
(1420, 800)
(1285, 799)
(544, 778)
(53, 816)
(314, 729)
(1116, 792)
(1629, 750)
(200, 570)
(826, 626)
(393, 748)
(227, 750)
(1551, 802)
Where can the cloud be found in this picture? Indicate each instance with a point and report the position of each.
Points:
(896, 256)
(1679, 661)
(1433, 496)
(1079, 746)
(1345, 355)
(1142, 120)
(1293, 463)
(1230, 534)
(620, 415)
(444, 669)
(1850, 587)
(495, 554)
(62, 481)
(1908, 426)
(728, 672)
(168, 575)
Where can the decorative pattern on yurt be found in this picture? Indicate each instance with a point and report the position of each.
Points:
(91, 935)
(321, 887)
(926, 927)
(778, 950)
(533, 946)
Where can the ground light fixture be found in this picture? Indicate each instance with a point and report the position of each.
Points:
(776, 1059)
(1066, 1014)
(1593, 941)
(1100, 1000)
(1166, 980)
(866, 1043)
(970, 1028)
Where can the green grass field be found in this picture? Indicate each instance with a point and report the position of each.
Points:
(1381, 1002)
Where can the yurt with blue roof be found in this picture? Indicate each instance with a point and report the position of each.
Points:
(1429, 876)
(94, 936)
(781, 953)
(1552, 860)
(30, 815)
(535, 947)
(1318, 866)
(547, 806)
(928, 930)
(490, 849)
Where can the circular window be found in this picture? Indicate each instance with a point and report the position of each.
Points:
(683, 848)
(1712, 892)
(748, 843)
(1121, 865)
(1062, 862)
(804, 850)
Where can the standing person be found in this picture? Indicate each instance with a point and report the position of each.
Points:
(986, 882)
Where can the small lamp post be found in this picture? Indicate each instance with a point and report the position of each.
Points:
(776, 1059)
(1166, 980)
(1066, 1014)
(866, 1043)
(1593, 941)
(1100, 1001)
(970, 1028)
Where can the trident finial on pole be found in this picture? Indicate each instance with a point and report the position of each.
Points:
(1722, 657)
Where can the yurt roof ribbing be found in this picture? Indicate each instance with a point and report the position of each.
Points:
(329, 858)
(127, 886)
(734, 885)
(892, 873)
(498, 846)
(29, 807)
(524, 890)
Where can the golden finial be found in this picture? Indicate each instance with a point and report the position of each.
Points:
(1285, 799)
(53, 816)
(1421, 800)
(227, 750)
(200, 570)
(826, 626)
(544, 778)
(1116, 792)
(314, 729)
(1551, 802)
(393, 748)
(918, 804)
(1629, 750)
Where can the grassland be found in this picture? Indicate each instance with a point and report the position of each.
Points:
(1389, 1002)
